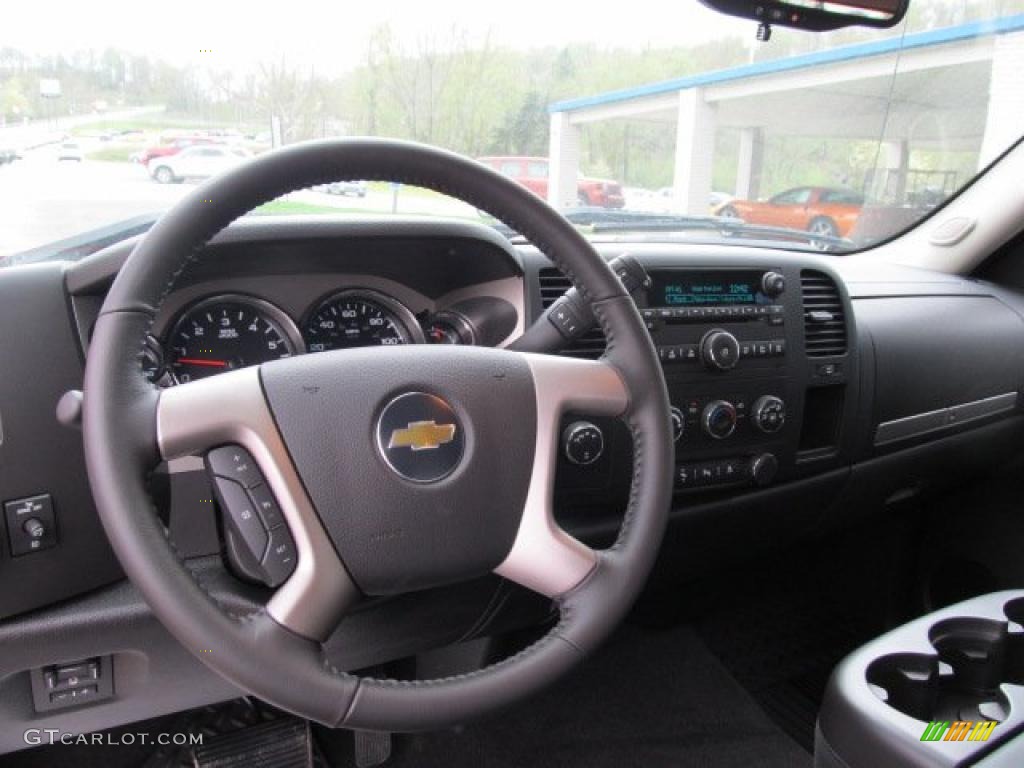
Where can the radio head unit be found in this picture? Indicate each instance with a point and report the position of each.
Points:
(710, 288)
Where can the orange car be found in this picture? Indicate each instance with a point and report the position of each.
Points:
(827, 211)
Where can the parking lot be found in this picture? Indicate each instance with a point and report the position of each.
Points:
(43, 199)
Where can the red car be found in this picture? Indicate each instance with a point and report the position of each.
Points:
(532, 173)
(171, 148)
(829, 211)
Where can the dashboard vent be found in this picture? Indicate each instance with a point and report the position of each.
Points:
(824, 320)
(553, 284)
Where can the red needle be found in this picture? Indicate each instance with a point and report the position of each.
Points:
(197, 361)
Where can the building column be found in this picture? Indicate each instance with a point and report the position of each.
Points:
(563, 161)
(897, 163)
(1005, 99)
(748, 167)
(695, 149)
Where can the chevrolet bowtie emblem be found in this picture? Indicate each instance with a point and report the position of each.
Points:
(422, 436)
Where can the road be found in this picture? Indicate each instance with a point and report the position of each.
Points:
(43, 199)
(21, 136)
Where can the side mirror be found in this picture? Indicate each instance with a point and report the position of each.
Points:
(814, 15)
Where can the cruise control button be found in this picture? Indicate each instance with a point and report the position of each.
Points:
(241, 515)
(235, 463)
(266, 506)
(280, 559)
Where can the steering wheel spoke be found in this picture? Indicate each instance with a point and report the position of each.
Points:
(544, 557)
(231, 409)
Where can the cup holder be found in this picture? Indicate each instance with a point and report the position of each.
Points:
(961, 682)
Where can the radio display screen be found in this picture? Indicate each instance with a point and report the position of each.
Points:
(702, 289)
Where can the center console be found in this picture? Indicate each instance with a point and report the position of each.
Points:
(733, 345)
(944, 690)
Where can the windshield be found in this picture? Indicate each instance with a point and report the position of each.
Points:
(667, 121)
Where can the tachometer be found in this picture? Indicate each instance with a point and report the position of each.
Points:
(227, 332)
(360, 318)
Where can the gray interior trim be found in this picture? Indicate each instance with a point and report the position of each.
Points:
(544, 557)
(944, 418)
(231, 408)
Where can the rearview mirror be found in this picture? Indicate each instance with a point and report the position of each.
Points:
(815, 15)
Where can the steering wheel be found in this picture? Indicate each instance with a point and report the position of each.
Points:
(368, 514)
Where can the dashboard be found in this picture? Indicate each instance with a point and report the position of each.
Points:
(807, 394)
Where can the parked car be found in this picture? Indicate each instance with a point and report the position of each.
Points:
(532, 173)
(347, 188)
(70, 150)
(172, 147)
(828, 211)
(716, 199)
(196, 163)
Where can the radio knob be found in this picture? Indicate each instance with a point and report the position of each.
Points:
(768, 413)
(719, 419)
(773, 284)
(763, 469)
(719, 349)
(678, 424)
(583, 443)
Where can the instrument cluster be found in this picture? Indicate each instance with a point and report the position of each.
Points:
(234, 330)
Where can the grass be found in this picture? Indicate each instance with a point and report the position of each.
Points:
(298, 207)
(291, 207)
(114, 154)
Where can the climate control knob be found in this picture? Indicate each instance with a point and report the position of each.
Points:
(583, 443)
(719, 349)
(768, 413)
(678, 424)
(763, 469)
(719, 419)
(773, 284)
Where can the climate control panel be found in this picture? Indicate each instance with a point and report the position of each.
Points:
(737, 434)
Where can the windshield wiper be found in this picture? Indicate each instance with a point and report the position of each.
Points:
(81, 245)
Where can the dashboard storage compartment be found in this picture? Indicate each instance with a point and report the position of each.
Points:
(945, 689)
(931, 382)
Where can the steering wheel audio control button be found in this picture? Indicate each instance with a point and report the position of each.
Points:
(234, 463)
(280, 558)
(266, 506)
(240, 514)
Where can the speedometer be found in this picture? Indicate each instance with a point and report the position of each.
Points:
(228, 332)
(360, 318)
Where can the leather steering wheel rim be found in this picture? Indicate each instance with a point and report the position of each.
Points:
(125, 428)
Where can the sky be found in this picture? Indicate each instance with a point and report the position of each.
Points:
(332, 36)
